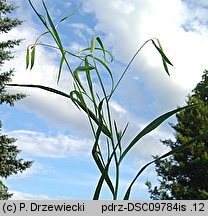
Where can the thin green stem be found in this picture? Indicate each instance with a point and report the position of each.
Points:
(117, 177)
(111, 130)
(55, 47)
(127, 67)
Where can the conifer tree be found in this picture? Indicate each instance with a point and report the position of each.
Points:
(9, 162)
(184, 176)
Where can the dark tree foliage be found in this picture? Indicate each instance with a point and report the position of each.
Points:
(6, 54)
(9, 162)
(6, 24)
(201, 90)
(184, 176)
(5, 97)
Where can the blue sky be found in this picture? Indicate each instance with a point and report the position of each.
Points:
(56, 136)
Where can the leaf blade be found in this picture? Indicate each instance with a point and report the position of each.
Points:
(53, 28)
(32, 57)
(84, 68)
(165, 59)
(55, 91)
(27, 57)
(69, 15)
(154, 124)
(61, 66)
(160, 50)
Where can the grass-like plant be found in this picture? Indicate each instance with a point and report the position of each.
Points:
(95, 102)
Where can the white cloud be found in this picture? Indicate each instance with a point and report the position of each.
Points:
(75, 47)
(119, 6)
(117, 107)
(125, 29)
(57, 111)
(39, 144)
(83, 31)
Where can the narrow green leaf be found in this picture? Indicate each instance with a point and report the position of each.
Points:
(104, 176)
(165, 67)
(92, 48)
(32, 60)
(183, 146)
(90, 85)
(154, 124)
(109, 71)
(127, 195)
(81, 69)
(124, 131)
(78, 81)
(89, 80)
(103, 169)
(41, 17)
(27, 57)
(106, 67)
(164, 61)
(84, 68)
(93, 41)
(160, 50)
(55, 33)
(105, 172)
(118, 136)
(60, 66)
(55, 91)
(73, 99)
(69, 15)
